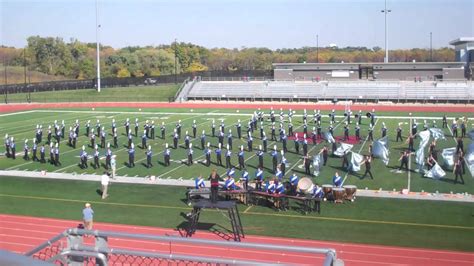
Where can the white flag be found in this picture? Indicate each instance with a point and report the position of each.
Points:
(317, 163)
(420, 153)
(356, 161)
(328, 136)
(436, 172)
(437, 133)
(420, 157)
(380, 150)
(448, 156)
(343, 148)
(470, 158)
(425, 138)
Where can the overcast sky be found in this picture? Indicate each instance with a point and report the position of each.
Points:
(237, 23)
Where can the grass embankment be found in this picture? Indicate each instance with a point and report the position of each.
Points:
(411, 223)
(120, 94)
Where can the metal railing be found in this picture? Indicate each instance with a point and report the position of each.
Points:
(68, 248)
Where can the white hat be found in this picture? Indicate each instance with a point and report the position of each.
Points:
(153, 121)
(149, 147)
(49, 127)
(296, 135)
(230, 130)
(274, 147)
(174, 130)
(98, 120)
(37, 126)
(113, 120)
(11, 139)
(259, 147)
(144, 131)
(304, 135)
(70, 128)
(166, 145)
(55, 121)
(194, 121)
(83, 147)
(6, 136)
(77, 120)
(26, 141)
(136, 119)
(108, 144)
(186, 132)
(241, 147)
(103, 128)
(88, 121)
(238, 120)
(128, 119)
(88, 205)
(62, 122)
(179, 121)
(190, 145)
(96, 147)
(57, 145)
(282, 152)
(162, 122)
(204, 132)
(34, 140)
(133, 145)
(146, 121)
(209, 144)
(314, 128)
(264, 133)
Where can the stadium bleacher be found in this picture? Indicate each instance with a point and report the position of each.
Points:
(359, 90)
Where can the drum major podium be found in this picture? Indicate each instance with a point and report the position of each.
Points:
(229, 206)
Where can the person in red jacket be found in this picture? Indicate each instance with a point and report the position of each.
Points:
(214, 178)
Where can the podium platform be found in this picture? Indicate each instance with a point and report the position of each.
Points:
(232, 212)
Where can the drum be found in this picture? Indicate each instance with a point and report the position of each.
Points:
(350, 192)
(327, 189)
(305, 185)
(339, 194)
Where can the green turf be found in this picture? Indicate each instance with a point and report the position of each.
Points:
(119, 94)
(22, 126)
(429, 224)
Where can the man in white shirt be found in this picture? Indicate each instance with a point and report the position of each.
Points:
(104, 180)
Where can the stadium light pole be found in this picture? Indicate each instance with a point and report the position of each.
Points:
(431, 46)
(386, 11)
(97, 26)
(175, 61)
(317, 48)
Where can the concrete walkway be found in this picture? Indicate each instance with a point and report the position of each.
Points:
(190, 183)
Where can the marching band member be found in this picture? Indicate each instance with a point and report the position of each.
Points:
(163, 130)
(357, 131)
(199, 182)
(7, 146)
(305, 144)
(203, 139)
(399, 132)
(25, 149)
(149, 154)
(208, 152)
(245, 179)
(34, 150)
(239, 129)
(297, 144)
(175, 138)
(13, 148)
(384, 130)
(241, 158)
(136, 127)
(190, 154)
(103, 134)
(127, 126)
(294, 183)
(42, 154)
(229, 183)
(270, 187)
(317, 192)
(187, 140)
(115, 138)
(98, 127)
(280, 188)
(229, 138)
(213, 128)
(56, 155)
(194, 126)
(131, 156)
(279, 173)
(283, 163)
(108, 157)
(228, 153)
(92, 138)
(259, 178)
(337, 180)
(83, 157)
(167, 155)
(264, 142)
(249, 142)
(96, 157)
(218, 152)
(231, 172)
(371, 132)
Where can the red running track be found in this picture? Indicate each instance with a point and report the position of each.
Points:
(5, 108)
(22, 233)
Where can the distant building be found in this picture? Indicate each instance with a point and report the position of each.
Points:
(370, 71)
(464, 47)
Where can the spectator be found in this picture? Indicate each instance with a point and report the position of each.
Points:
(88, 215)
(104, 181)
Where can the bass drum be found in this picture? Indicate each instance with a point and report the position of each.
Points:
(350, 192)
(305, 185)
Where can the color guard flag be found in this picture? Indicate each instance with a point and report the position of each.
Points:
(448, 156)
(343, 148)
(437, 133)
(356, 161)
(380, 150)
(436, 172)
(328, 137)
(317, 163)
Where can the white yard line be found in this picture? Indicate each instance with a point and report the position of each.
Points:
(409, 162)
(18, 113)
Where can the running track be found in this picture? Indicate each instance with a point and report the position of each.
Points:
(4, 108)
(22, 233)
